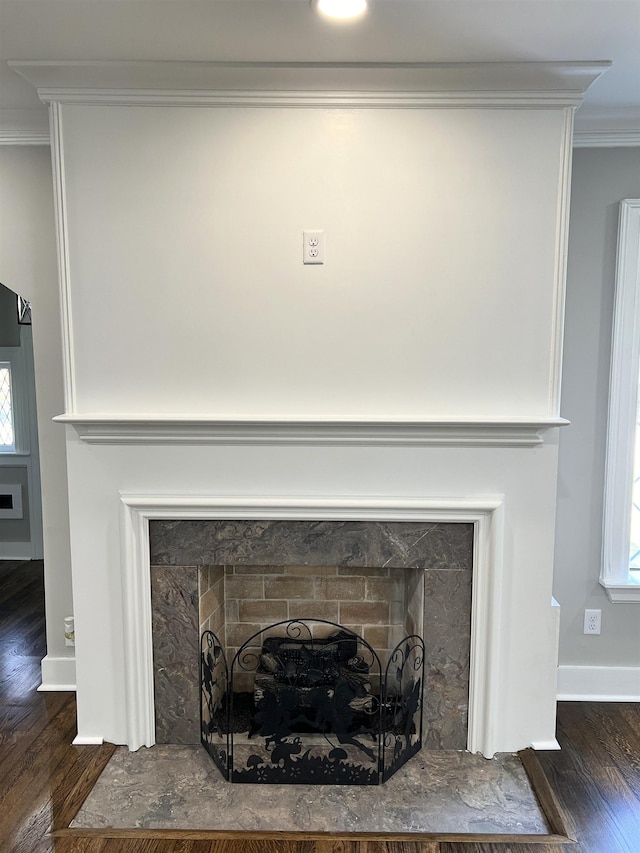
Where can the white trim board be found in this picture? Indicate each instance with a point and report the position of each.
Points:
(58, 674)
(24, 137)
(606, 138)
(598, 684)
(162, 429)
(313, 84)
(486, 513)
(16, 551)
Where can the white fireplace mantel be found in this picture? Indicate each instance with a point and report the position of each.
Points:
(431, 378)
(185, 429)
(487, 644)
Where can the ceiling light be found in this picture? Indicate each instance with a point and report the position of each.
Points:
(341, 8)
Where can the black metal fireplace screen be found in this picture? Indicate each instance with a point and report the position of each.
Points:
(308, 701)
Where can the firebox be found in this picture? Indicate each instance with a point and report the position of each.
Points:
(310, 701)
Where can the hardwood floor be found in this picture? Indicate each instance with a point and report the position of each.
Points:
(594, 782)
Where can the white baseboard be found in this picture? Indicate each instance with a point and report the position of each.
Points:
(58, 674)
(16, 551)
(598, 683)
(88, 741)
(545, 744)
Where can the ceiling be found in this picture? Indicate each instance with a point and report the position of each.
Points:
(290, 30)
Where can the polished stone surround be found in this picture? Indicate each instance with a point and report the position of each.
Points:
(183, 551)
(178, 787)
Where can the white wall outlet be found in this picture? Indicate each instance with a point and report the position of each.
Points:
(313, 247)
(69, 631)
(592, 621)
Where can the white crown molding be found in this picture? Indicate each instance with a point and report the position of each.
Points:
(313, 84)
(24, 137)
(158, 429)
(485, 513)
(606, 139)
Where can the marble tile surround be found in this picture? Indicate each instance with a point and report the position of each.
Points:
(178, 787)
(443, 550)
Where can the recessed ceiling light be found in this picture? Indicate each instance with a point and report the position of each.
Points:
(341, 8)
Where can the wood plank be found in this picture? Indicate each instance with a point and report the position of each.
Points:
(75, 782)
(318, 837)
(556, 816)
(476, 847)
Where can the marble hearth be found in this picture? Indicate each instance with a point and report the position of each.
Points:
(237, 576)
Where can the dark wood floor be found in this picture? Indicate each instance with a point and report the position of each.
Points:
(43, 779)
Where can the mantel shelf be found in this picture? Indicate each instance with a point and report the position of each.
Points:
(200, 429)
(382, 84)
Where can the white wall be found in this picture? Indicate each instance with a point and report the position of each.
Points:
(601, 179)
(28, 266)
(187, 285)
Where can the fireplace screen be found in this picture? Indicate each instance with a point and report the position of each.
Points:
(311, 702)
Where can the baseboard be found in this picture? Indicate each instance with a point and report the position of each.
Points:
(598, 683)
(543, 745)
(16, 551)
(58, 674)
(88, 741)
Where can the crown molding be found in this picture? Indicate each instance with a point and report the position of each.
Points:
(614, 127)
(158, 429)
(24, 137)
(312, 84)
(606, 139)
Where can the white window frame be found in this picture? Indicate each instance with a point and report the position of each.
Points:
(14, 358)
(5, 364)
(620, 583)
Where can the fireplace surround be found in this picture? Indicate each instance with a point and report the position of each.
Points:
(484, 514)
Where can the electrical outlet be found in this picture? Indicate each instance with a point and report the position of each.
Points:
(313, 247)
(592, 621)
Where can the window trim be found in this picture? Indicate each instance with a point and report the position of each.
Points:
(14, 357)
(6, 364)
(620, 583)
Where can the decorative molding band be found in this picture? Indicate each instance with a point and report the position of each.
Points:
(560, 263)
(152, 429)
(329, 99)
(62, 242)
(488, 581)
(606, 139)
(58, 674)
(307, 84)
(24, 137)
(599, 683)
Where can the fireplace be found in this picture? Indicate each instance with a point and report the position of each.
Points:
(383, 581)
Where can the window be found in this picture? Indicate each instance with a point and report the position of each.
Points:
(620, 573)
(7, 432)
